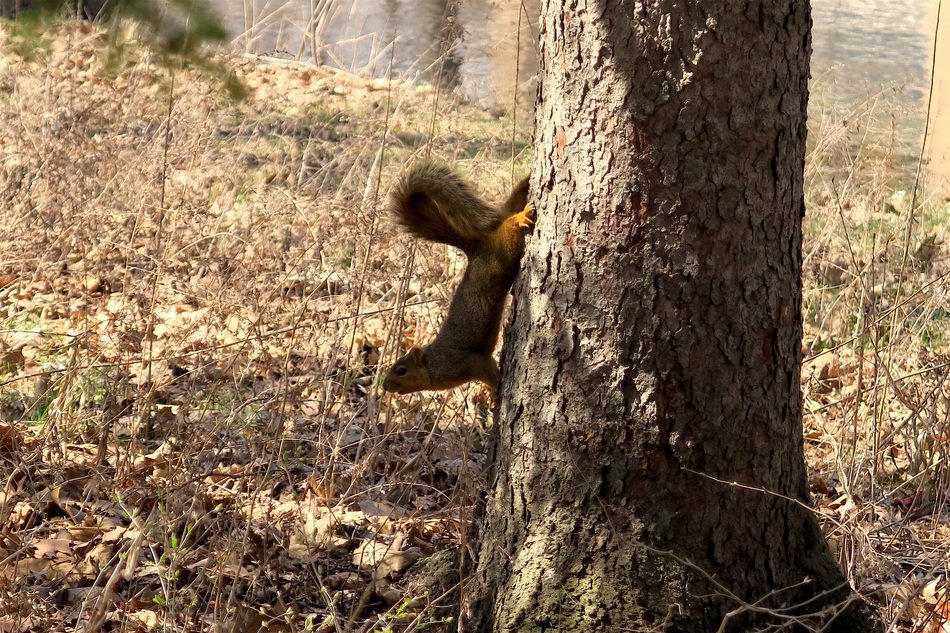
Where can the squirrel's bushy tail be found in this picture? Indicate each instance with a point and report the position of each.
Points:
(433, 203)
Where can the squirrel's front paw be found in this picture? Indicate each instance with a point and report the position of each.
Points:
(523, 219)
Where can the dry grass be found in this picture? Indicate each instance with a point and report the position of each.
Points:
(197, 295)
(875, 376)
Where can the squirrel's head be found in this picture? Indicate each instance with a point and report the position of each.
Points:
(408, 374)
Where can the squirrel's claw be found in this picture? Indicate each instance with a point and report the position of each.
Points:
(523, 218)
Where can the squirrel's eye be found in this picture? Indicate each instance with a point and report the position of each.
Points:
(401, 371)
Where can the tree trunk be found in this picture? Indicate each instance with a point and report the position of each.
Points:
(648, 470)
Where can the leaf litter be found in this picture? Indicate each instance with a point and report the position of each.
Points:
(190, 432)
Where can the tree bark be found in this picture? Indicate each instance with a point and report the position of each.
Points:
(648, 471)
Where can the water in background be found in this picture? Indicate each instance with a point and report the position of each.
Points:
(870, 64)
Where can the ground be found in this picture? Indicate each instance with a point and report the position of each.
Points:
(198, 294)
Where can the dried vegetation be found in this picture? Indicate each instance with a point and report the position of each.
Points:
(196, 294)
(875, 373)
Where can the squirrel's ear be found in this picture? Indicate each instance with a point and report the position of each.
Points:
(418, 356)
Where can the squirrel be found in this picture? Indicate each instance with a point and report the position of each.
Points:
(433, 203)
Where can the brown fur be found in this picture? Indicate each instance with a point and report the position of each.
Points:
(435, 204)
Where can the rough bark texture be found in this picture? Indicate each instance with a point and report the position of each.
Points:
(654, 353)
